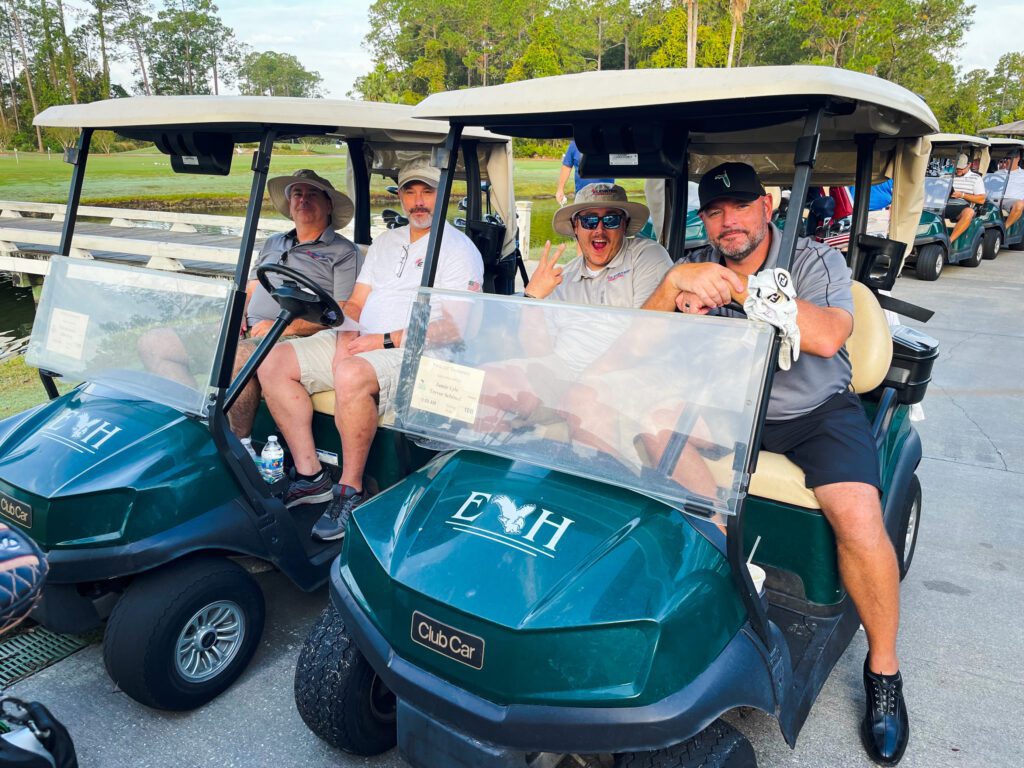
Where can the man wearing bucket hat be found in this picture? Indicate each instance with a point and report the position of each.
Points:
(313, 247)
(813, 416)
(614, 268)
(363, 366)
(968, 190)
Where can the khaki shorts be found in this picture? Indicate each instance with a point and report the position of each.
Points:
(316, 365)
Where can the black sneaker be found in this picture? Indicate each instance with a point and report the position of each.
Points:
(312, 491)
(333, 522)
(886, 728)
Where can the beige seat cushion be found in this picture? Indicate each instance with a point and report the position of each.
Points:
(870, 344)
(323, 402)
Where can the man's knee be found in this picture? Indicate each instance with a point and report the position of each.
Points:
(966, 215)
(280, 365)
(853, 510)
(354, 376)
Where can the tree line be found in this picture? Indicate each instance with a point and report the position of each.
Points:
(61, 51)
(423, 46)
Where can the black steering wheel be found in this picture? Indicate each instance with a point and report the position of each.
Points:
(330, 312)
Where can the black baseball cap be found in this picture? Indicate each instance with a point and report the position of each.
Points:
(735, 181)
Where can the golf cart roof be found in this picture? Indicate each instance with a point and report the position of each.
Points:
(246, 117)
(709, 100)
(1006, 143)
(958, 138)
(1009, 129)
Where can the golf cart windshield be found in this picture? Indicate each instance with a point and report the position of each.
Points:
(660, 403)
(146, 333)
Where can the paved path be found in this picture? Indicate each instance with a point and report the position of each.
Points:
(962, 617)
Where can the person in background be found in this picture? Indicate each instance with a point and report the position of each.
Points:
(571, 164)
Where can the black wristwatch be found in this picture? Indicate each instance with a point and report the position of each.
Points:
(389, 343)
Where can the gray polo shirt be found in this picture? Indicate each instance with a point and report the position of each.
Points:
(821, 277)
(627, 281)
(332, 261)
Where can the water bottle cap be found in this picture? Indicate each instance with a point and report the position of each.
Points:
(246, 441)
(272, 439)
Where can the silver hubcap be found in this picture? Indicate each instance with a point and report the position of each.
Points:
(940, 261)
(908, 542)
(209, 641)
(979, 252)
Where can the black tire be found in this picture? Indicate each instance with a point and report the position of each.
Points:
(931, 259)
(717, 746)
(339, 696)
(142, 645)
(977, 251)
(910, 525)
(992, 245)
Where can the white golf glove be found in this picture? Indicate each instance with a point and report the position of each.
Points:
(773, 299)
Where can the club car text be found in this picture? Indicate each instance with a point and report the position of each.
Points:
(448, 641)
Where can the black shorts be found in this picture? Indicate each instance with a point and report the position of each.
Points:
(954, 208)
(831, 444)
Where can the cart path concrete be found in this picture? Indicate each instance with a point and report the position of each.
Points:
(962, 621)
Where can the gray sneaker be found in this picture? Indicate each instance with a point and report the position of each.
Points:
(312, 491)
(333, 522)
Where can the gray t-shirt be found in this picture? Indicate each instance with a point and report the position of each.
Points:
(821, 277)
(331, 261)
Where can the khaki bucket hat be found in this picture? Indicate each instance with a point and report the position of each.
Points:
(342, 208)
(601, 196)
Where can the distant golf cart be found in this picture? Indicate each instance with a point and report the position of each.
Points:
(932, 246)
(1002, 154)
(133, 484)
(556, 591)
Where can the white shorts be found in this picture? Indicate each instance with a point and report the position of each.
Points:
(315, 355)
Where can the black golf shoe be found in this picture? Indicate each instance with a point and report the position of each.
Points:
(334, 520)
(886, 728)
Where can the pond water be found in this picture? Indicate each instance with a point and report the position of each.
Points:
(16, 309)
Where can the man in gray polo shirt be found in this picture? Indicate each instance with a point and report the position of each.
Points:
(813, 417)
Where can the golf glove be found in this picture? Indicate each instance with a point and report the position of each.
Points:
(772, 299)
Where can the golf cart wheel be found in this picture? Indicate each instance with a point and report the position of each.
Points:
(977, 252)
(992, 245)
(717, 746)
(179, 636)
(931, 259)
(338, 694)
(910, 519)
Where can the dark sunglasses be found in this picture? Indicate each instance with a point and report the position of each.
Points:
(610, 220)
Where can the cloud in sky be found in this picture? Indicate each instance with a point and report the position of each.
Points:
(327, 36)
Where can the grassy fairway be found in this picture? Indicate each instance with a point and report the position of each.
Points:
(21, 386)
(140, 176)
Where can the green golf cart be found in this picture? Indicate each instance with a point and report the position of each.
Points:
(1003, 153)
(569, 585)
(932, 246)
(150, 511)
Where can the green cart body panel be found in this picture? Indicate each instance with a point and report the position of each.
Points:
(100, 468)
(619, 599)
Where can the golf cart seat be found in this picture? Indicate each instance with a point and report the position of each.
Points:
(870, 349)
(323, 402)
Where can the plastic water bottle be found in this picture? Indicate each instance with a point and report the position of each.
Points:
(247, 444)
(272, 460)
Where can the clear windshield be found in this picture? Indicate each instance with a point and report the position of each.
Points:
(936, 191)
(657, 402)
(148, 333)
(995, 184)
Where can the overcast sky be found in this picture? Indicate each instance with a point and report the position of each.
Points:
(327, 35)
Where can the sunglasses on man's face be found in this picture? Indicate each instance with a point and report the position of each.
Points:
(610, 220)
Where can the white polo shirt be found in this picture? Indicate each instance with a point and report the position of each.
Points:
(394, 271)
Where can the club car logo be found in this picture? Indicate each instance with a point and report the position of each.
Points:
(80, 432)
(500, 519)
(448, 641)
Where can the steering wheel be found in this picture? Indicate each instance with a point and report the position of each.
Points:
(330, 312)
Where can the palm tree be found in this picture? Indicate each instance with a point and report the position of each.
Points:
(738, 9)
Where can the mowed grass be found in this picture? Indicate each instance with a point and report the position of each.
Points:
(21, 386)
(147, 175)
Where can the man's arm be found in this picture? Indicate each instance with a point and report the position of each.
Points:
(563, 177)
(713, 285)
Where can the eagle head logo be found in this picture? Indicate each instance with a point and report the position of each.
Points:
(511, 517)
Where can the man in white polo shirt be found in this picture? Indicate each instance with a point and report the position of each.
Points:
(968, 191)
(362, 367)
(1013, 196)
